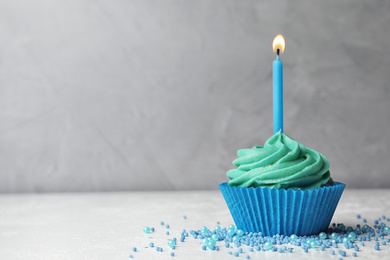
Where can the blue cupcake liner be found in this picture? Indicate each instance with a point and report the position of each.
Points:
(287, 212)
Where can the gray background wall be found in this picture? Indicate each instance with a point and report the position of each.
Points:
(159, 95)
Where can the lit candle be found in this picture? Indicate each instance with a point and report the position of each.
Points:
(278, 46)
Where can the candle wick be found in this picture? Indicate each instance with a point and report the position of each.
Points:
(277, 51)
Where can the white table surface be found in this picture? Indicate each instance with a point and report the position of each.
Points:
(109, 225)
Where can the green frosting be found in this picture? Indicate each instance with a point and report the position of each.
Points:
(282, 163)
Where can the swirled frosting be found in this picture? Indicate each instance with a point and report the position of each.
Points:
(281, 163)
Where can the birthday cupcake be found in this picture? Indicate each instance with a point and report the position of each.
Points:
(281, 188)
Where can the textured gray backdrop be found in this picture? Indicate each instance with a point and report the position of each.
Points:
(158, 95)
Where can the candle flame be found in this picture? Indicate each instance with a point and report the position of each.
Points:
(279, 43)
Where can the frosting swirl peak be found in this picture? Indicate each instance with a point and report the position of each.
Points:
(282, 163)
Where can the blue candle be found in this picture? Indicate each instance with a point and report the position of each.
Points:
(278, 46)
(278, 94)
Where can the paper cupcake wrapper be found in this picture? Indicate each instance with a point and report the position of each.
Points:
(287, 212)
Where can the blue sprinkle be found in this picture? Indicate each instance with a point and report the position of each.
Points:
(167, 233)
(151, 244)
(172, 254)
(204, 247)
(342, 227)
(236, 254)
(162, 223)
(216, 248)
(290, 250)
(250, 249)
(134, 249)
(358, 216)
(146, 230)
(332, 252)
(376, 247)
(240, 250)
(364, 220)
(248, 257)
(230, 253)
(362, 244)
(383, 243)
(185, 217)
(130, 256)
(354, 254)
(152, 229)
(346, 240)
(167, 226)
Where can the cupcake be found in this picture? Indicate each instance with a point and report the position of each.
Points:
(282, 187)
